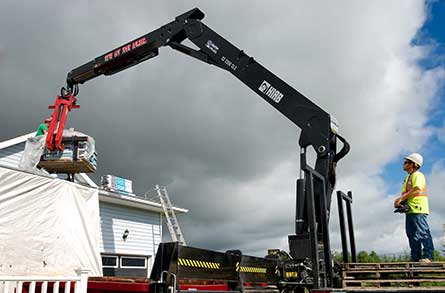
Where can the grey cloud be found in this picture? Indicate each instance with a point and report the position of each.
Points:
(224, 153)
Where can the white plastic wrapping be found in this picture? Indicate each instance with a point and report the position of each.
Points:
(34, 149)
(48, 227)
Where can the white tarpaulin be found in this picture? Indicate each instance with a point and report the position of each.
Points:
(48, 227)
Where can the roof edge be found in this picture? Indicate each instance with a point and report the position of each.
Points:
(134, 201)
(16, 140)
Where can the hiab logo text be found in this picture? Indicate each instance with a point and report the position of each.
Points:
(214, 48)
(270, 91)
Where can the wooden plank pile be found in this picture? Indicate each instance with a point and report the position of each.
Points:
(394, 274)
(79, 166)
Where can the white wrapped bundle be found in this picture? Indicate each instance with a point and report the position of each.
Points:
(116, 183)
(79, 154)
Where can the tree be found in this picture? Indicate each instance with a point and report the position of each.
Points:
(362, 256)
(373, 257)
(438, 256)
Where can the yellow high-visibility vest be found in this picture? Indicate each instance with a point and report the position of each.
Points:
(418, 204)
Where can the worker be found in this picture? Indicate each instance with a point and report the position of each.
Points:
(43, 128)
(414, 194)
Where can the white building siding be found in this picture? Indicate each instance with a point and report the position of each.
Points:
(10, 156)
(144, 230)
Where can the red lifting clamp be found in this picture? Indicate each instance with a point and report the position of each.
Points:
(62, 106)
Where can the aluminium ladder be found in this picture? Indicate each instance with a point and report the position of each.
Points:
(170, 216)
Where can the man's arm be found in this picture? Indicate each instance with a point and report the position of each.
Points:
(406, 195)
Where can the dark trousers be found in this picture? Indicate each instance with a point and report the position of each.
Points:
(418, 232)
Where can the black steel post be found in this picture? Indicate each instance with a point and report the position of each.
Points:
(326, 241)
(341, 216)
(299, 220)
(313, 228)
(351, 227)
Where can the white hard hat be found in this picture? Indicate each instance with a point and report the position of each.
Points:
(415, 158)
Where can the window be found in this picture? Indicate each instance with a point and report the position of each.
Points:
(109, 261)
(133, 262)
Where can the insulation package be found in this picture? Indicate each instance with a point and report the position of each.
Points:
(117, 184)
(48, 227)
(79, 154)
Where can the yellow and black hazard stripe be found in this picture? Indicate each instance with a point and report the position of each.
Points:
(244, 269)
(291, 274)
(198, 264)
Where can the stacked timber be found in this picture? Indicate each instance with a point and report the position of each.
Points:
(394, 274)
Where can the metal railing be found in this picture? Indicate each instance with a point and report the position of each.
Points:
(19, 284)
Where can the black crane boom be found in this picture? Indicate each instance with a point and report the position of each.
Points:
(318, 128)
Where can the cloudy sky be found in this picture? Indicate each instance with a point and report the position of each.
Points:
(223, 153)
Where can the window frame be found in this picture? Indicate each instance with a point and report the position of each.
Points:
(133, 257)
(116, 257)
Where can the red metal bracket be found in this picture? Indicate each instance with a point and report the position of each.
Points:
(62, 106)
